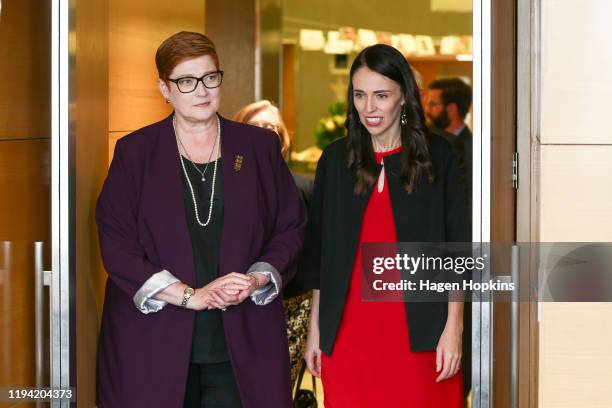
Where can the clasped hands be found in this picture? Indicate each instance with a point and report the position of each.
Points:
(227, 290)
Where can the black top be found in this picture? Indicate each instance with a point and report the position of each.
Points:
(208, 337)
(432, 213)
(304, 185)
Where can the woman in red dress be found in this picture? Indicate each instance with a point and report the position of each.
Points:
(387, 181)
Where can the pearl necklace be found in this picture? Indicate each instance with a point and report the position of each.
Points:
(201, 172)
(212, 197)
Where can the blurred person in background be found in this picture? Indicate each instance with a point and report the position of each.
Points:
(266, 115)
(296, 299)
(448, 103)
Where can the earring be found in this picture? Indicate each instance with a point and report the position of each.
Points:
(167, 100)
(403, 118)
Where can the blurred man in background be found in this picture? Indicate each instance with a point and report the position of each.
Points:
(447, 105)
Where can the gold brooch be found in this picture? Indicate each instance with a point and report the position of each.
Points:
(238, 162)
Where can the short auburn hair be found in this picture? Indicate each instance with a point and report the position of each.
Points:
(247, 113)
(181, 46)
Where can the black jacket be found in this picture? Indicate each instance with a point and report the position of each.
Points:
(462, 145)
(432, 213)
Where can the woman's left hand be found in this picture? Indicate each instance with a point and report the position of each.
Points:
(448, 352)
(229, 288)
(258, 280)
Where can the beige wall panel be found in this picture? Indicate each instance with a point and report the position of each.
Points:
(25, 57)
(576, 193)
(576, 197)
(136, 28)
(576, 74)
(575, 365)
(575, 358)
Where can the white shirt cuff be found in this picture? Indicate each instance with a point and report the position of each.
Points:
(143, 299)
(268, 293)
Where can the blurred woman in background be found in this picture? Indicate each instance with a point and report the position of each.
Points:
(296, 299)
(265, 115)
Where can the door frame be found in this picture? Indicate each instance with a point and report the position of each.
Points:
(62, 202)
(527, 211)
(481, 193)
(525, 376)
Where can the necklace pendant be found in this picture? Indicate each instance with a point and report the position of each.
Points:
(203, 179)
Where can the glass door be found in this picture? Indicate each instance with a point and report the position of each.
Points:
(34, 299)
(25, 193)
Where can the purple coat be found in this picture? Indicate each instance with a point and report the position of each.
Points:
(143, 359)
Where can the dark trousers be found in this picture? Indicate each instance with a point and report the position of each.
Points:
(211, 386)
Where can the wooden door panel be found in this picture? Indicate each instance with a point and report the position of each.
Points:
(503, 145)
(24, 218)
(25, 55)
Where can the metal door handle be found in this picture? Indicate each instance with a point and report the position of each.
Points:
(5, 268)
(42, 278)
(514, 326)
(514, 323)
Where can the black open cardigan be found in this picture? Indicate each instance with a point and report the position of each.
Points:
(432, 213)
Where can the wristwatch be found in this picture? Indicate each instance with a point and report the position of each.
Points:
(187, 294)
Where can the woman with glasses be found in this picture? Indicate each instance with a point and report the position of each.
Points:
(200, 226)
(388, 181)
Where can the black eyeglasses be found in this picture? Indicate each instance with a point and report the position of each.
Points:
(189, 84)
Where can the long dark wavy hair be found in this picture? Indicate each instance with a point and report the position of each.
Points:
(415, 159)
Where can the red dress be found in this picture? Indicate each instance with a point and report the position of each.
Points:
(371, 364)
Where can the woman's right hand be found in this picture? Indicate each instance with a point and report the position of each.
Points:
(220, 293)
(207, 297)
(312, 354)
